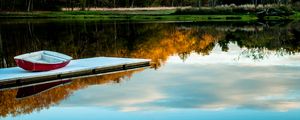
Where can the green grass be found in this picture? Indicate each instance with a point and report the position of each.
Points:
(136, 15)
(118, 12)
(297, 15)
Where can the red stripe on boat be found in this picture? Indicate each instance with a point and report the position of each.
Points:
(39, 66)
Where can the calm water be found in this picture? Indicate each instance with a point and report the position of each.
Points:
(212, 71)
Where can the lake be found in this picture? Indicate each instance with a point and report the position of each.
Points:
(199, 70)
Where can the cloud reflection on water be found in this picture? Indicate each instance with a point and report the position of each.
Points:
(214, 82)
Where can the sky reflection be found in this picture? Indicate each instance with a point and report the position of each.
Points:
(95, 113)
(204, 83)
(241, 57)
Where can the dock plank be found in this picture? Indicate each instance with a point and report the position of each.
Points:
(89, 65)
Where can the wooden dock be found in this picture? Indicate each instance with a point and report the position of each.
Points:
(15, 76)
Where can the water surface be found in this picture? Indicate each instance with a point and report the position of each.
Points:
(200, 70)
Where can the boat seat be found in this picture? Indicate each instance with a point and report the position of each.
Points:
(51, 59)
(45, 59)
(35, 60)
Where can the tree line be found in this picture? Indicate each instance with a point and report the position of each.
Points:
(32, 5)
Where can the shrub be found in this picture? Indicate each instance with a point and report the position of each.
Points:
(275, 11)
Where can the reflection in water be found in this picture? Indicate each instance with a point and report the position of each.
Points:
(207, 65)
(35, 89)
(155, 41)
(204, 83)
(10, 105)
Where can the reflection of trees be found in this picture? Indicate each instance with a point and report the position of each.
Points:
(176, 41)
(9, 105)
(279, 39)
(152, 40)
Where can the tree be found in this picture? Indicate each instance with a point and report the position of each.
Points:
(199, 3)
(83, 4)
(29, 5)
(212, 3)
(132, 3)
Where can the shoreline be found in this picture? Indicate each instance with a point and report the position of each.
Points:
(154, 15)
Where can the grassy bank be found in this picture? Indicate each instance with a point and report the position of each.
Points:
(127, 15)
(170, 15)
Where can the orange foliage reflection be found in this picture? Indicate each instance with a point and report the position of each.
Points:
(10, 105)
(176, 42)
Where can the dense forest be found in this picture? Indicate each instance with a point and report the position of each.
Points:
(32, 5)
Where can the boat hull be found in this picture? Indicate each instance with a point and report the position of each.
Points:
(36, 67)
